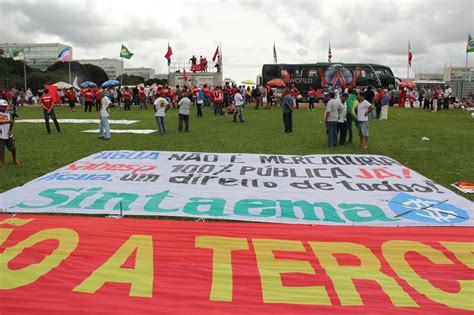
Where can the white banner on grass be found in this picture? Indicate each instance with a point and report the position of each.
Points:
(314, 189)
(79, 121)
(135, 131)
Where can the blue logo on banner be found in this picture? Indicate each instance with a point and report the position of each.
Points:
(426, 210)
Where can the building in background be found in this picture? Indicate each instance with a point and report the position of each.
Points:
(461, 81)
(429, 76)
(161, 76)
(458, 74)
(39, 56)
(145, 73)
(112, 67)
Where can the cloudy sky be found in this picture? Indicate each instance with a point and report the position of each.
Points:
(359, 31)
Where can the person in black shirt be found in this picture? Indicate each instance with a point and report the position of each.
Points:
(369, 95)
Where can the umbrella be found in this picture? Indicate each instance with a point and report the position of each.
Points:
(276, 83)
(62, 85)
(407, 84)
(110, 83)
(248, 82)
(87, 84)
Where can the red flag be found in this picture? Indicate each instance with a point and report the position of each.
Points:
(410, 55)
(185, 75)
(53, 92)
(168, 54)
(215, 54)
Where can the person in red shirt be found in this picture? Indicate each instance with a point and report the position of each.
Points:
(207, 96)
(319, 95)
(97, 97)
(218, 101)
(88, 97)
(311, 98)
(127, 98)
(294, 94)
(71, 98)
(141, 96)
(46, 102)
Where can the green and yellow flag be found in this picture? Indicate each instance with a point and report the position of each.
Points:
(125, 53)
(18, 54)
(470, 44)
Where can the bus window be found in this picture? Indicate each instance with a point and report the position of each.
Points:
(313, 73)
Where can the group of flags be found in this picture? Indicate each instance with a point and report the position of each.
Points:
(469, 49)
(126, 53)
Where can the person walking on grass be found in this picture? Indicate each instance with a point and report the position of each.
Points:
(104, 128)
(239, 103)
(46, 102)
(218, 101)
(342, 120)
(6, 135)
(311, 98)
(385, 102)
(287, 107)
(183, 115)
(161, 107)
(330, 117)
(71, 98)
(199, 101)
(363, 111)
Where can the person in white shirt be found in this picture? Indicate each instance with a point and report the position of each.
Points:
(239, 103)
(331, 117)
(448, 93)
(161, 107)
(6, 136)
(104, 128)
(363, 111)
(183, 115)
(341, 121)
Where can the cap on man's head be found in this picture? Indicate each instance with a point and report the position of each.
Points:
(3, 103)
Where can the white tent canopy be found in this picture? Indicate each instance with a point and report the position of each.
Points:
(62, 85)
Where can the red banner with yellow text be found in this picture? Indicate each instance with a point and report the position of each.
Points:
(137, 266)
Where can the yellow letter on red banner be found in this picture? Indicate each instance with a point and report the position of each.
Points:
(140, 277)
(15, 278)
(221, 289)
(369, 269)
(271, 270)
(395, 251)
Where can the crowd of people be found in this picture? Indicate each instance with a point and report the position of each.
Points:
(434, 98)
(341, 113)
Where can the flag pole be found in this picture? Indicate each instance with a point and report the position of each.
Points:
(121, 75)
(70, 82)
(408, 61)
(24, 71)
(220, 57)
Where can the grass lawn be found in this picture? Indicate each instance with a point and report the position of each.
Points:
(446, 158)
